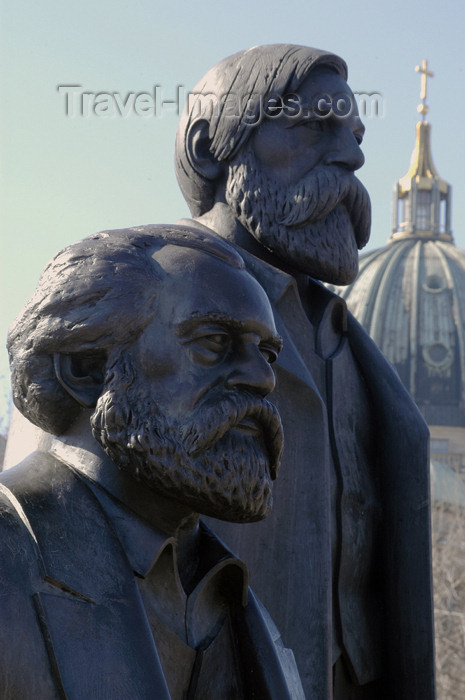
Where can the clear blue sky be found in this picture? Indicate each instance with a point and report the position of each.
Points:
(63, 178)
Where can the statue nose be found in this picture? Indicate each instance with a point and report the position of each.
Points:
(346, 152)
(253, 372)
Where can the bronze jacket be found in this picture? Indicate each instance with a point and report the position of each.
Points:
(72, 623)
(289, 554)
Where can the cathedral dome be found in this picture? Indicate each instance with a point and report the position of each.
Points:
(410, 297)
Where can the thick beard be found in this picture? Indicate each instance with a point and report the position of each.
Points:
(200, 462)
(316, 226)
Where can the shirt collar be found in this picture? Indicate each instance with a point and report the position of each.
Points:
(143, 544)
(127, 505)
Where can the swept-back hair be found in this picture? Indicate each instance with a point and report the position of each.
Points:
(241, 81)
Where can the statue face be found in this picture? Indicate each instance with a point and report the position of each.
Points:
(214, 327)
(191, 405)
(292, 186)
(288, 147)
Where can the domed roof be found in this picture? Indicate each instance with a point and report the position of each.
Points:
(410, 297)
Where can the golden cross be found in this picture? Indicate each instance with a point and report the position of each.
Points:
(425, 74)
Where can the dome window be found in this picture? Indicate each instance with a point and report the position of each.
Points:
(434, 283)
(423, 210)
(438, 356)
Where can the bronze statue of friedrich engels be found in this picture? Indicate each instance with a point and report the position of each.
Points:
(265, 156)
(148, 352)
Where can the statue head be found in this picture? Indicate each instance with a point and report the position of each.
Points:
(164, 338)
(274, 133)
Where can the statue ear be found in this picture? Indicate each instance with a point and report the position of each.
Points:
(81, 376)
(198, 151)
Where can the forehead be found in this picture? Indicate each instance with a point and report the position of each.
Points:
(323, 82)
(197, 284)
(323, 78)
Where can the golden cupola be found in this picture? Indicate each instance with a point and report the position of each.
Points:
(422, 200)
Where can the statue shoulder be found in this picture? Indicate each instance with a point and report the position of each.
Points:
(20, 560)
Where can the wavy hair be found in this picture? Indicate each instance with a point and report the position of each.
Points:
(94, 298)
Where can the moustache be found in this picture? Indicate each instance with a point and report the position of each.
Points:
(215, 417)
(320, 192)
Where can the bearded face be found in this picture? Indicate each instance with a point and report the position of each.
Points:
(201, 460)
(315, 226)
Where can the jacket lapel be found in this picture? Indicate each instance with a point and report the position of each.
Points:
(404, 475)
(270, 671)
(296, 331)
(89, 607)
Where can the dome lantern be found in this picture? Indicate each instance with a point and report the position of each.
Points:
(422, 200)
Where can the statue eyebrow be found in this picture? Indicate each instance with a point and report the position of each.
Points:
(228, 322)
(197, 319)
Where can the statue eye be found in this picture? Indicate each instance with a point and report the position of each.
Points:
(314, 124)
(317, 125)
(210, 348)
(217, 342)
